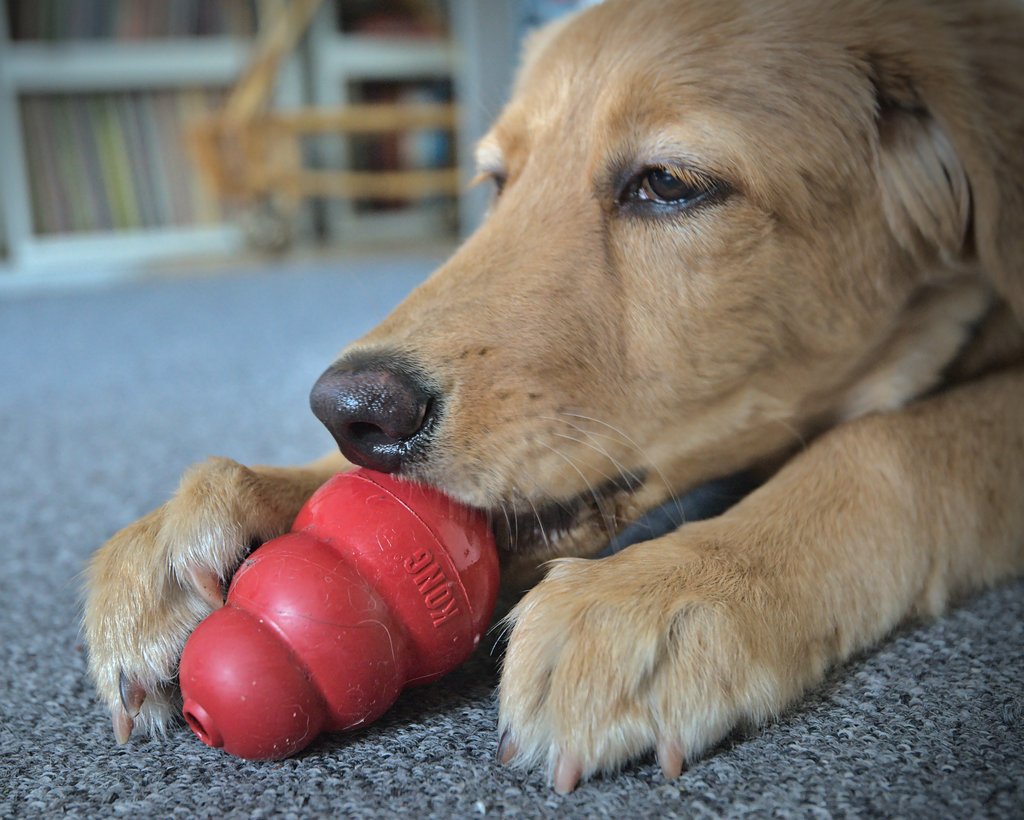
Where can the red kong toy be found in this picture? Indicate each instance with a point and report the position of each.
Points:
(380, 584)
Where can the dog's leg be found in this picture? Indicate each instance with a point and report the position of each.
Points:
(150, 584)
(672, 643)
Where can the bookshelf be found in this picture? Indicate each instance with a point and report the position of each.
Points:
(80, 105)
(89, 107)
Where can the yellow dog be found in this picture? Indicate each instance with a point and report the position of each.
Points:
(780, 234)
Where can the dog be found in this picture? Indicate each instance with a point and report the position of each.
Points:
(782, 235)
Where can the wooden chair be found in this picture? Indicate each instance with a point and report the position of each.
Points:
(251, 155)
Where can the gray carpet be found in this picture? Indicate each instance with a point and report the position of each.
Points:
(107, 395)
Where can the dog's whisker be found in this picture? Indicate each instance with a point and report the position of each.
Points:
(625, 438)
(499, 631)
(618, 435)
(540, 522)
(508, 521)
(801, 439)
(519, 493)
(628, 477)
(590, 487)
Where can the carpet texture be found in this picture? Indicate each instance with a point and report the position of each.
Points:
(107, 395)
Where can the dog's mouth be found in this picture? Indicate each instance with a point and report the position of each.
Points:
(587, 520)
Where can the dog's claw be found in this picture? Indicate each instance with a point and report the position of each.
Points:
(123, 725)
(207, 584)
(567, 773)
(670, 758)
(132, 695)
(507, 748)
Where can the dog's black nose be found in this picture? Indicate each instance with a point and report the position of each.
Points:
(378, 411)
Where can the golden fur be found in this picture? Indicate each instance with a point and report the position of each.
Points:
(844, 313)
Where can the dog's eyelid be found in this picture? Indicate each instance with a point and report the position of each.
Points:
(683, 168)
(680, 164)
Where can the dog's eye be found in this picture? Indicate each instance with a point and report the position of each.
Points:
(499, 181)
(669, 186)
(664, 186)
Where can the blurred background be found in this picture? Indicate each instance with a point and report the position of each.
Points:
(151, 134)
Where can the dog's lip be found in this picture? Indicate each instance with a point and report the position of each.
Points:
(523, 526)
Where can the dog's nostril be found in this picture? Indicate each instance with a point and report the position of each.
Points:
(365, 435)
(363, 430)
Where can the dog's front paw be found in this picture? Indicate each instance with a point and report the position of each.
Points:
(666, 646)
(151, 584)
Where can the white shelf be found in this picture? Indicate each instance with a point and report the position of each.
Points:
(123, 247)
(99, 257)
(86, 66)
(365, 57)
(82, 66)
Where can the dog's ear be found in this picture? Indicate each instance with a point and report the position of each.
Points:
(925, 193)
(950, 112)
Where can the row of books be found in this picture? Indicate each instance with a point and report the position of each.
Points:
(143, 19)
(112, 161)
(129, 19)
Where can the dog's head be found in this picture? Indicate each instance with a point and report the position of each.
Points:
(719, 227)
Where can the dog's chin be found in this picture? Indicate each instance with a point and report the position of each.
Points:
(581, 525)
